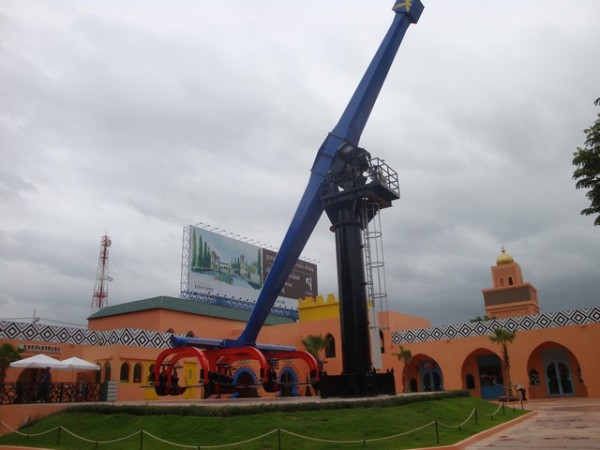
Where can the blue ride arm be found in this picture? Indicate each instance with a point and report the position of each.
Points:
(348, 130)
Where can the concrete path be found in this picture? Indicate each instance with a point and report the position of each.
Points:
(572, 423)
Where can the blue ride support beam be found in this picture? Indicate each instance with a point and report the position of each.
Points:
(348, 130)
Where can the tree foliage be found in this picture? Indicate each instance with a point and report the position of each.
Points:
(8, 354)
(315, 343)
(587, 171)
(406, 356)
(504, 337)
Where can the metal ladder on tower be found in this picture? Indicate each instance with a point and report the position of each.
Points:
(375, 279)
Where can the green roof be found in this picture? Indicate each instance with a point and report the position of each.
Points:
(185, 306)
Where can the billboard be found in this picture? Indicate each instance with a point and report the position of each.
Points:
(214, 264)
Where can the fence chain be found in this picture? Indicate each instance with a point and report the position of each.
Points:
(279, 430)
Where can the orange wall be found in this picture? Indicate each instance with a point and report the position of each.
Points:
(456, 357)
(163, 320)
(580, 341)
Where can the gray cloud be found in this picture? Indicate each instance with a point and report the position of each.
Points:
(138, 118)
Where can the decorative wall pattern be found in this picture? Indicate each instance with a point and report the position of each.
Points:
(155, 339)
(487, 327)
(82, 336)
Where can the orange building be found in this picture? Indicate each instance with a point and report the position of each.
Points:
(553, 354)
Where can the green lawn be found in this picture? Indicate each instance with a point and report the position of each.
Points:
(201, 428)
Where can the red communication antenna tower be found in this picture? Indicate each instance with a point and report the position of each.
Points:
(100, 298)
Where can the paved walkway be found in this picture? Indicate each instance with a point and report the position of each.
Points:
(559, 423)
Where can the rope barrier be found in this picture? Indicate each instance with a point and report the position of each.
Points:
(458, 427)
(12, 430)
(291, 433)
(111, 441)
(241, 442)
(501, 406)
(402, 434)
(360, 441)
(78, 437)
(164, 441)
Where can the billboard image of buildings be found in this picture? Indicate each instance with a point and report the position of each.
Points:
(217, 265)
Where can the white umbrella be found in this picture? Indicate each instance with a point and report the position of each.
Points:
(80, 364)
(40, 361)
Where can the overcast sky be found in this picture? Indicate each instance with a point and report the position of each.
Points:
(137, 118)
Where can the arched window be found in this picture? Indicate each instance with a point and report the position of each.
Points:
(137, 373)
(171, 330)
(330, 349)
(381, 342)
(190, 334)
(470, 381)
(124, 377)
(510, 281)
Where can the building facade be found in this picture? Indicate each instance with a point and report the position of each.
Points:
(553, 354)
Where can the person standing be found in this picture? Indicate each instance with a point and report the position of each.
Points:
(44, 385)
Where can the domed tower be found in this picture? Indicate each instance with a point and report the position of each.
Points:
(509, 296)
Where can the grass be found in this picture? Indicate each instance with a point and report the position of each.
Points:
(359, 425)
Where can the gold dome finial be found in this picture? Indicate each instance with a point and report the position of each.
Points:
(504, 258)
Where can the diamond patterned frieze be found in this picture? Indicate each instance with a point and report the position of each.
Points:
(155, 339)
(436, 333)
(579, 317)
(484, 328)
(451, 332)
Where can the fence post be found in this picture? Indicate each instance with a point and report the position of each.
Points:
(503, 412)
(476, 418)
(437, 432)
(279, 438)
(141, 439)
(58, 435)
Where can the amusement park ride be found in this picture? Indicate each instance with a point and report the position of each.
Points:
(350, 187)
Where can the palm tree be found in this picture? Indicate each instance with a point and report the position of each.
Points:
(315, 344)
(505, 337)
(404, 355)
(8, 354)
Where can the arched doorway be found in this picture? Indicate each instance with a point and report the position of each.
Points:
(553, 371)
(107, 371)
(482, 373)
(288, 380)
(430, 374)
(245, 383)
(489, 367)
(558, 376)
(107, 380)
(431, 379)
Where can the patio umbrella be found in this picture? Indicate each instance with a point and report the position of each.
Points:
(80, 364)
(39, 361)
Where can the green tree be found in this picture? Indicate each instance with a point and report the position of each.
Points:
(406, 356)
(587, 172)
(8, 354)
(315, 344)
(194, 262)
(480, 319)
(504, 337)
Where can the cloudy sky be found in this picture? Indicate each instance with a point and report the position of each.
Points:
(136, 118)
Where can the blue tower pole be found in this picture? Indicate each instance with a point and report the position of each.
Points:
(347, 131)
